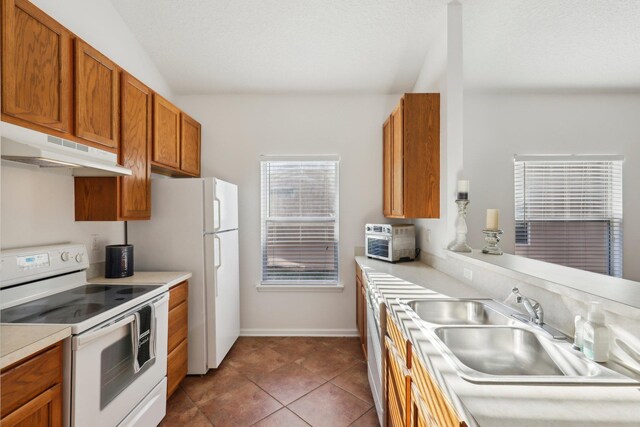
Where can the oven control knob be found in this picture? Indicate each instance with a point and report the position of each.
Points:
(79, 258)
(65, 256)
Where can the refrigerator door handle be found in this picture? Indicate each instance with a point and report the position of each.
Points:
(218, 214)
(217, 257)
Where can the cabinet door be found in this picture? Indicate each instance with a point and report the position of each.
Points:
(96, 86)
(36, 67)
(177, 365)
(387, 159)
(189, 145)
(44, 410)
(398, 383)
(359, 309)
(135, 146)
(364, 320)
(166, 133)
(397, 166)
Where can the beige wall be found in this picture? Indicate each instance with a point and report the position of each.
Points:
(237, 129)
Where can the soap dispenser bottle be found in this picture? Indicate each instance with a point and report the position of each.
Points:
(596, 335)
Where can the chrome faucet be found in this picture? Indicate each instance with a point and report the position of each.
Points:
(532, 306)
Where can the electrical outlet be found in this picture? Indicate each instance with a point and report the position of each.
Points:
(468, 274)
(94, 243)
(428, 235)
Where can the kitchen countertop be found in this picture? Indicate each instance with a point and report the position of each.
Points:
(495, 405)
(170, 278)
(20, 341)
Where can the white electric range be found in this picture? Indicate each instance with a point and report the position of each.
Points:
(103, 386)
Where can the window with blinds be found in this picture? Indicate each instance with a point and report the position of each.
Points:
(299, 221)
(568, 211)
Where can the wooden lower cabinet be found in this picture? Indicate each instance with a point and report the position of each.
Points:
(412, 397)
(31, 390)
(361, 310)
(177, 348)
(398, 384)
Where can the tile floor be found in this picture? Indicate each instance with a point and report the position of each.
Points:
(279, 382)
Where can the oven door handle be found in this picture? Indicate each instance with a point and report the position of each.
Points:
(84, 339)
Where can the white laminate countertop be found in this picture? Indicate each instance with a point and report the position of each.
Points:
(170, 278)
(495, 405)
(20, 341)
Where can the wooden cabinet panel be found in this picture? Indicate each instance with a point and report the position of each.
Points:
(26, 380)
(387, 159)
(96, 97)
(177, 364)
(96, 198)
(397, 162)
(43, 411)
(135, 148)
(398, 385)
(437, 404)
(178, 321)
(36, 68)
(190, 145)
(422, 155)
(411, 158)
(361, 310)
(178, 350)
(166, 133)
(363, 337)
(178, 294)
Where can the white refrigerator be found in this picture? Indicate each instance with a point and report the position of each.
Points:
(194, 227)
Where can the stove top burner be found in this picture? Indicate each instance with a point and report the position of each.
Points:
(75, 305)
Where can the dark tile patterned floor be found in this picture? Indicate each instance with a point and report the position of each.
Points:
(279, 382)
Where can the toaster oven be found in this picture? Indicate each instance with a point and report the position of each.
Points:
(389, 242)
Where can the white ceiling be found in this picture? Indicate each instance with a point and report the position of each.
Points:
(379, 46)
(258, 46)
(552, 44)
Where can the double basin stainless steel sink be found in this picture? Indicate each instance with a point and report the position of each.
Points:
(486, 343)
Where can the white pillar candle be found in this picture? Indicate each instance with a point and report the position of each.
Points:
(492, 219)
(463, 190)
(463, 186)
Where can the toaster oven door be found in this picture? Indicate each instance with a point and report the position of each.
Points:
(379, 247)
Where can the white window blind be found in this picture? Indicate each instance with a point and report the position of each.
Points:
(568, 211)
(299, 221)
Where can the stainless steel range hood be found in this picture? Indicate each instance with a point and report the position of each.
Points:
(36, 148)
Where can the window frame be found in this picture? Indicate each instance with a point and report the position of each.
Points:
(297, 283)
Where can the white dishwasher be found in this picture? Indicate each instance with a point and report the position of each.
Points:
(374, 349)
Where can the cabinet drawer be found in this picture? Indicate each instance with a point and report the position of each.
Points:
(398, 339)
(23, 382)
(176, 367)
(436, 402)
(178, 294)
(178, 321)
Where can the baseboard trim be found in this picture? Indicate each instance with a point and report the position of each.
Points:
(299, 332)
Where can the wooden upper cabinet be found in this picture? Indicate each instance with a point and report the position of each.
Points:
(397, 162)
(190, 145)
(386, 167)
(166, 133)
(127, 197)
(37, 66)
(96, 97)
(413, 156)
(135, 148)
